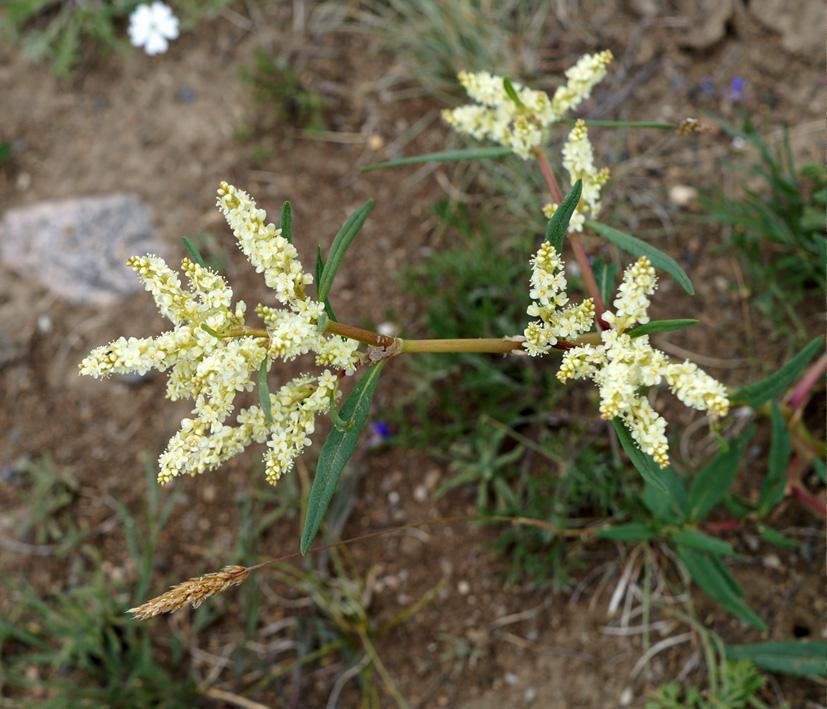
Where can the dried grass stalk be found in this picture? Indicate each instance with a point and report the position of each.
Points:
(192, 593)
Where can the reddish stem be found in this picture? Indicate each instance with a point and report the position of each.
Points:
(808, 381)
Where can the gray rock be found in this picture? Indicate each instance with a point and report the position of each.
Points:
(78, 248)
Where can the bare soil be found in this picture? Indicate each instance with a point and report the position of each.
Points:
(165, 128)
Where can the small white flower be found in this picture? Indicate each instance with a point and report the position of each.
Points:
(152, 26)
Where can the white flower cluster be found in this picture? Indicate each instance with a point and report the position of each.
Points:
(578, 159)
(548, 291)
(623, 364)
(522, 125)
(211, 354)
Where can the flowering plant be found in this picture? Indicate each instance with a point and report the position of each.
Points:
(211, 353)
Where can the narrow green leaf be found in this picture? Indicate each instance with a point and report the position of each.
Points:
(194, 255)
(207, 328)
(336, 451)
(754, 395)
(286, 222)
(337, 420)
(559, 223)
(512, 94)
(714, 584)
(264, 391)
(319, 268)
(445, 156)
(636, 247)
(821, 469)
(604, 274)
(660, 326)
(340, 244)
(694, 539)
(671, 506)
(644, 463)
(774, 537)
(773, 486)
(632, 532)
(716, 477)
(790, 657)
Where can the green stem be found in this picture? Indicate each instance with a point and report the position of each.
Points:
(490, 345)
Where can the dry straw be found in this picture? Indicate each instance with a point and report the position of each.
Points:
(193, 592)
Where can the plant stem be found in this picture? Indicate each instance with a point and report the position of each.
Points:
(492, 345)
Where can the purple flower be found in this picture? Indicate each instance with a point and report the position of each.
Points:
(736, 88)
(706, 86)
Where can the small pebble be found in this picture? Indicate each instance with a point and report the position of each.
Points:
(464, 588)
(393, 497)
(420, 493)
(530, 695)
(510, 678)
(771, 561)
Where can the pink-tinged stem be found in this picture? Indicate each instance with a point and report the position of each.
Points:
(576, 243)
(723, 526)
(812, 502)
(808, 381)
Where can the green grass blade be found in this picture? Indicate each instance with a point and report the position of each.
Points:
(661, 326)
(791, 657)
(339, 247)
(645, 465)
(445, 156)
(636, 247)
(716, 477)
(754, 395)
(337, 450)
(319, 268)
(559, 223)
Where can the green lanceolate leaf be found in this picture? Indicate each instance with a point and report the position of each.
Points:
(512, 94)
(660, 326)
(264, 391)
(716, 582)
(338, 421)
(445, 156)
(756, 394)
(774, 537)
(772, 489)
(319, 268)
(559, 223)
(669, 506)
(694, 539)
(716, 477)
(791, 657)
(645, 465)
(286, 222)
(604, 274)
(636, 247)
(194, 255)
(339, 247)
(631, 532)
(336, 451)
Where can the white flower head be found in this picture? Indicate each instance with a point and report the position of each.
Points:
(523, 124)
(211, 355)
(578, 159)
(623, 364)
(152, 26)
(548, 293)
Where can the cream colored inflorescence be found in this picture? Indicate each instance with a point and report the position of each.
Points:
(211, 364)
(522, 125)
(578, 159)
(622, 364)
(548, 293)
